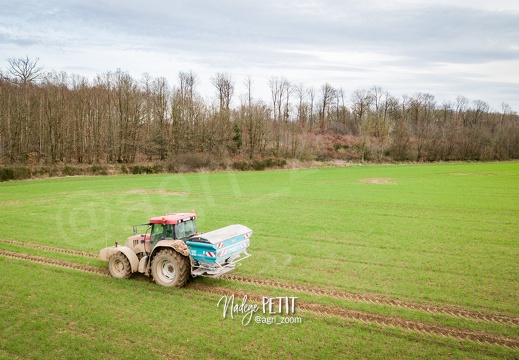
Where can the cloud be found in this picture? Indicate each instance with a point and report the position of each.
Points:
(421, 42)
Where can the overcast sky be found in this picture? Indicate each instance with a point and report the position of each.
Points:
(446, 48)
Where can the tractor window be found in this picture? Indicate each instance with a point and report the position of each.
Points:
(168, 232)
(156, 233)
(185, 229)
(190, 227)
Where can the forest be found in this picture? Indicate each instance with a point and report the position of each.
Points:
(49, 117)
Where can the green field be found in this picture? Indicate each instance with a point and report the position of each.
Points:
(439, 234)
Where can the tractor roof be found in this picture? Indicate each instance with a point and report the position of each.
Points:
(173, 218)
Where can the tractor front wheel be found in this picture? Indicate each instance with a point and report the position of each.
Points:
(169, 268)
(119, 266)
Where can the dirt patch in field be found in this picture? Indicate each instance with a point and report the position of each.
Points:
(378, 181)
(155, 192)
(472, 174)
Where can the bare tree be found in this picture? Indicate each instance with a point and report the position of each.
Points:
(67, 118)
(311, 96)
(361, 102)
(249, 119)
(225, 89)
(186, 113)
(276, 91)
(506, 110)
(341, 112)
(24, 71)
(381, 101)
(461, 106)
(161, 115)
(328, 94)
(479, 109)
(400, 134)
(187, 82)
(360, 105)
(147, 144)
(301, 93)
(279, 88)
(288, 89)
(422, 116)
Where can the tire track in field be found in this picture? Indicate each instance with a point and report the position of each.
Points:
(58, 263)
(369, 319)
(50, 248)
(338, 294)
(319, 309)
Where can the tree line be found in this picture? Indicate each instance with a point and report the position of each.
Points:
(49, 117)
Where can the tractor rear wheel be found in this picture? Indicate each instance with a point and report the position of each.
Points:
(169, 268)
(119, 266)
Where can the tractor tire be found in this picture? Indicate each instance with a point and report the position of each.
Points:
(119, 266)
(169, 268)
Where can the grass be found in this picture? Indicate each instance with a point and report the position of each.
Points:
(508, 330)
(99, 317)
(446, 234)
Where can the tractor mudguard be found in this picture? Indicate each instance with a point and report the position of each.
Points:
(106, 253)
(177, 245)
(143, 264)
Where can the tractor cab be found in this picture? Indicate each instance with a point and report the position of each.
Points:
(178, 226)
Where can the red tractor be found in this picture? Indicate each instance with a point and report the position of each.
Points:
(171, 250)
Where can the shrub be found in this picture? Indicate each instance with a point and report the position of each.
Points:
(241, 165)
(157, 169)
(18, 173)
(279, 162)
(6, 174)
(98, 170)
(145, 169)
(71, 171)
(171, 169)
(258, 165)
(189, 162)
